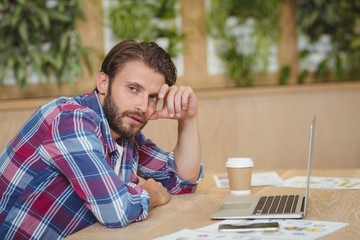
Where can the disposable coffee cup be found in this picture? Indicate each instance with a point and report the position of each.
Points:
(239, 172)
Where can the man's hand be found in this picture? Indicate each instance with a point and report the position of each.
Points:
(178, 103)
(157, 193)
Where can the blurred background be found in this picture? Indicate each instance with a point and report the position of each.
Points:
(261, 69)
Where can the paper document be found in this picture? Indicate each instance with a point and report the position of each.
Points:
(257, 179)
(289, 230)
(324, 182)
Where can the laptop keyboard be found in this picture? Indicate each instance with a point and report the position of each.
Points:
(276, 204)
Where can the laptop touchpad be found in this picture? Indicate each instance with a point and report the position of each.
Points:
(245, 205)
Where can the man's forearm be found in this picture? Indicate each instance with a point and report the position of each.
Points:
(187, 152)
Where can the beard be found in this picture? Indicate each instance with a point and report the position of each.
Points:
(115, 117)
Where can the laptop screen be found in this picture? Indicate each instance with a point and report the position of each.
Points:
(312, 132)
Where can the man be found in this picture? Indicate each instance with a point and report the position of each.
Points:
(76, 161)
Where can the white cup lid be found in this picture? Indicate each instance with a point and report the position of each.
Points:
(239, 162)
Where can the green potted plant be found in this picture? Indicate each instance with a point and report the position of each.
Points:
(39, 38)
(339, 21)
(244, 30)
(146, 20)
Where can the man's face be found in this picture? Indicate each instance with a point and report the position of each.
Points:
(132, 98)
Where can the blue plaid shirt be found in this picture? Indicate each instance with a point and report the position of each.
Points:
(57, 174)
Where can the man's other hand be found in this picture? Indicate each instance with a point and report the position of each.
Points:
(157, 193)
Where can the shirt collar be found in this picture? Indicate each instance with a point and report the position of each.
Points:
(91, 100)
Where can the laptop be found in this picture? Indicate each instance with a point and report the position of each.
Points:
(269, 206)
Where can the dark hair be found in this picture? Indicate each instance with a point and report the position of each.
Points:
(150, 54)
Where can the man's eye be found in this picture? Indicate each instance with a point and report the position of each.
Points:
(133, 89)
(153, 98)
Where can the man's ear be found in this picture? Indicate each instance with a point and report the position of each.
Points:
(102, 83)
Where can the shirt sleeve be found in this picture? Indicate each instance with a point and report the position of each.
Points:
(160, 165)
(75, 146)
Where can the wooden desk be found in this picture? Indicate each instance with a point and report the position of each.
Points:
(193, 210)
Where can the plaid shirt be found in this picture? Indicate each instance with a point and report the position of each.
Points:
(57, 175)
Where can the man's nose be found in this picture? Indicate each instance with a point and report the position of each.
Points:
(142, 103)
